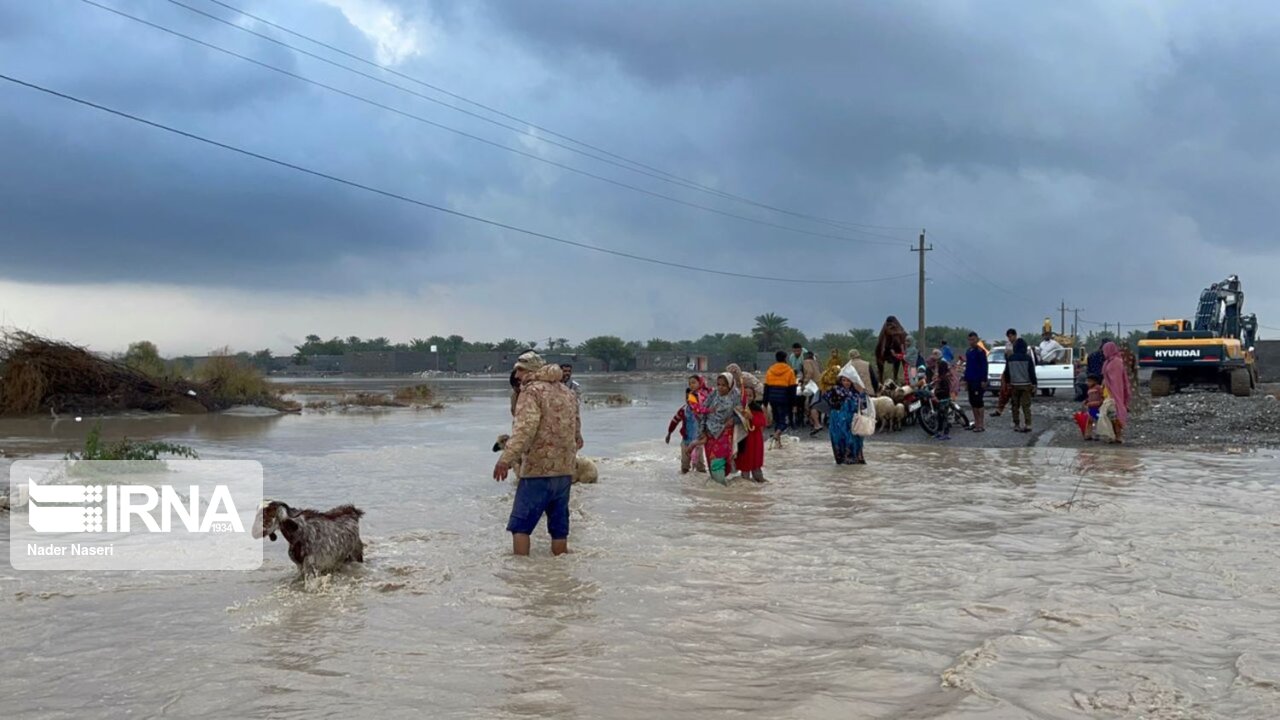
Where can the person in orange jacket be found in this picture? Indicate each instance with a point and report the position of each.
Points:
(780, 392)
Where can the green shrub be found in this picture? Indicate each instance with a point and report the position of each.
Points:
(126, 449)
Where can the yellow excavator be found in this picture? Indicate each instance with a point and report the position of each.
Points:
(1215, 350)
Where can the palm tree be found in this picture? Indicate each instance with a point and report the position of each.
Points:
(863, 337)
(769, 330)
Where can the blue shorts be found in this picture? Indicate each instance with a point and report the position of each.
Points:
(538, 495)
(1093, 413)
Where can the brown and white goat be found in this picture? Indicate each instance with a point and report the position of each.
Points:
(319, 542)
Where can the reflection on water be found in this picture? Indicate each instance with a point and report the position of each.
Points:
(932, 583)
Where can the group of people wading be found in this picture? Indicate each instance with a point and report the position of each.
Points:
(722, 428)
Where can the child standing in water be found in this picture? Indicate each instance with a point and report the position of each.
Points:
(686, 418)
(751, 457)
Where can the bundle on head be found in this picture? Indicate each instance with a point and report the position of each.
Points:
(319, 542)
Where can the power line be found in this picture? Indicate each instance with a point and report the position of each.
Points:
(1135, 324)
(964, 265)
(414, 201)
(477, 138)
(639, 167)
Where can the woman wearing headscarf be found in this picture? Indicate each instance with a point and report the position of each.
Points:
(891, 347)
(698, 391)
(722, 414)
(743, 381)
(845, 399)
(931, 365)
(819, 408)
(1115, 380)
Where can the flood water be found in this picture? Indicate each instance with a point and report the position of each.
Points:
(931, 583)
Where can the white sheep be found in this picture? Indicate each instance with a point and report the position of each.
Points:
(884, 412)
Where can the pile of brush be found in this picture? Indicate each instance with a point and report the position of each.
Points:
(38, 375)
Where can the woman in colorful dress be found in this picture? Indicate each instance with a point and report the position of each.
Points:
(845, 399)
(723, 408)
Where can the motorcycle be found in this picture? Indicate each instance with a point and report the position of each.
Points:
(926, 410)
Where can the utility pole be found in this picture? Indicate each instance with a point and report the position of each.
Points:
(920, 348)
(1075, 324)
(1062, 324)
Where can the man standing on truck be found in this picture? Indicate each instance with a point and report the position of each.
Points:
(1051, 351)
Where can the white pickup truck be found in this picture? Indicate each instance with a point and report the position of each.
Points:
(1049, 378)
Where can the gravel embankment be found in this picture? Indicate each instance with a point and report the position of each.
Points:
(1190, 420)
(1208, 420)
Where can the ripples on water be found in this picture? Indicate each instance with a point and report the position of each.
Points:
(932, 583)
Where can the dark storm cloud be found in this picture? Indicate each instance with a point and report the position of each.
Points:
(1026, 136)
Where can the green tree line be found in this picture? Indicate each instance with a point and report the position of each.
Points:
(769, 333)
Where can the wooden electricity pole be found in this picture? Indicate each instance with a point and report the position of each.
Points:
(920, 348)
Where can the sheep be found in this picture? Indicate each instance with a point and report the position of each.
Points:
(899, 415)
(884, 412)
(892, 390)
(584, 469)
(319, 542)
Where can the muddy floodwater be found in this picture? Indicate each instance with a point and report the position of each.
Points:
(934, 582)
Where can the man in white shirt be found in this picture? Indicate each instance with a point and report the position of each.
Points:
(1050, 351)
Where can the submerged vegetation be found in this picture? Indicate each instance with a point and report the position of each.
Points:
(126, 449)
(421, 396)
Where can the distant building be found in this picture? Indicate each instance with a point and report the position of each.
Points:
(393, 362)
(674, 361)
(500, 363)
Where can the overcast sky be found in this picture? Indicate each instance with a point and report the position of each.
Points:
(1118, 155)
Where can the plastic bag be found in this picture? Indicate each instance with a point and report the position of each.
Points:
(864, 421)
(1103, 427)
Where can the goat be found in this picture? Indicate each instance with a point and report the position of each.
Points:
(319, 542)
(584, 469)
